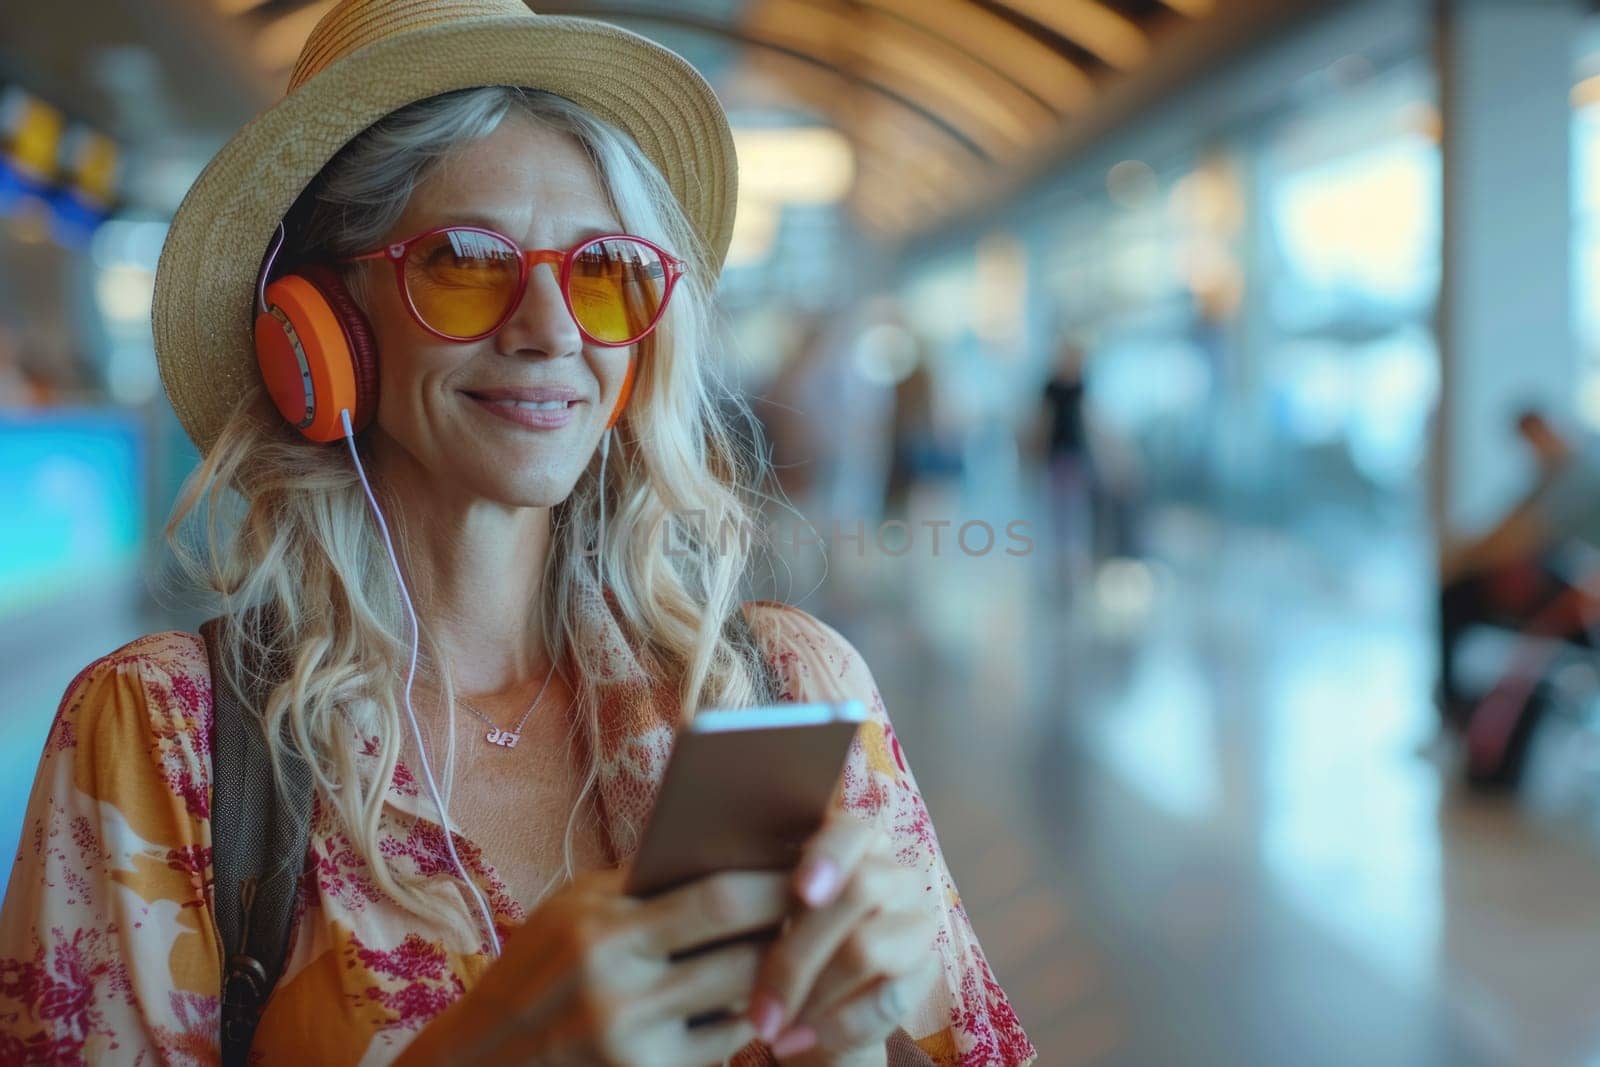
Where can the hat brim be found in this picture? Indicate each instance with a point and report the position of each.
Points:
(204, 304)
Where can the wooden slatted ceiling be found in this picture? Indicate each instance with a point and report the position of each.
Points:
(936, 96)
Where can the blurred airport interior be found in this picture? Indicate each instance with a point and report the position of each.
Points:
(1161, 370)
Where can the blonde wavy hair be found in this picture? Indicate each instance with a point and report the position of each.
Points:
(276, 526)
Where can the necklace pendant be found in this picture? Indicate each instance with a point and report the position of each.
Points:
(504, 738)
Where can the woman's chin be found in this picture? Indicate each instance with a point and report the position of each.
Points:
(527, 492)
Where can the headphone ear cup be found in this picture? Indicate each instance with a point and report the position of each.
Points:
(316, 355)
(358, 335)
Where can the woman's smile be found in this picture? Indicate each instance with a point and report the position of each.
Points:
(533, 408)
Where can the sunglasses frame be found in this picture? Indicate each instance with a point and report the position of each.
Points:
(527, 260)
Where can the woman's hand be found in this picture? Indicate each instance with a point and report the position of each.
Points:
(589, 978)
(852, 966)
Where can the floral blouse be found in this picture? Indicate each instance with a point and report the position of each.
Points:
(108, 949)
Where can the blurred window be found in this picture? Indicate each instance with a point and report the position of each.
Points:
(1352, 190)
(1586, 246)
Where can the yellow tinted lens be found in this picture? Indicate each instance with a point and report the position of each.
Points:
(615, 288)
(462, 282)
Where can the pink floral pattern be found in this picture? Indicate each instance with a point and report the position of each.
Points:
(108, 952)
(65, 996)
(411, 983)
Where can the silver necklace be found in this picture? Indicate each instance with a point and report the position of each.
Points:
(508, 738)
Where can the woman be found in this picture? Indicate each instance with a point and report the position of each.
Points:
(477, 919)
(1066, 456)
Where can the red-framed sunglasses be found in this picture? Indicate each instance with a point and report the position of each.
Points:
(462, 283)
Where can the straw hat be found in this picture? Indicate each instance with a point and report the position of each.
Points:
(365, 59)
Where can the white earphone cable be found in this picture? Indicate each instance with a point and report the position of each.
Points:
(411, 673)
(266, 271)
(600, 547)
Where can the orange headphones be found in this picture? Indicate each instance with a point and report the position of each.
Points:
(317, 355)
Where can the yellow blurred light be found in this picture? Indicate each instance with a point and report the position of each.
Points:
(1359, 218)
(755, 230)
(1002, 286)
(125, 293)
(1192, 8)
(1586, 92)
(1209, 198)
(31, 131)
(802, 165)
(91, 163)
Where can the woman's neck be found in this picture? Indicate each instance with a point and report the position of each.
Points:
(475, 570)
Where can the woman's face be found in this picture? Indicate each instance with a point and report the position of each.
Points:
(538, 188)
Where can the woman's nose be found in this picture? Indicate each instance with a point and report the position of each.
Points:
(541, 323)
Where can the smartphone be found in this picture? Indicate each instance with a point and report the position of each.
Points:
(744, 790)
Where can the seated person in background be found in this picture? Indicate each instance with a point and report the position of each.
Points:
(1509, 575)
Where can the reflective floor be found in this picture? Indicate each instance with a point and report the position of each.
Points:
(1187, 804)
(1190, 811)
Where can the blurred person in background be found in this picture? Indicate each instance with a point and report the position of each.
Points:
(488, 282)
(1061, 440)
(1510, 575)
(921, 447)
(1117, 486)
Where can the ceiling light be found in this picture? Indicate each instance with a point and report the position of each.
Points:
(795, 165)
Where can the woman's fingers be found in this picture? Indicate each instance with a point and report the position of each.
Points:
(711, 909)
(830, 857)
(714, 980)
(716, 1042)
(888, 945)
(796, 959)
(871, 1014)
(591, 977)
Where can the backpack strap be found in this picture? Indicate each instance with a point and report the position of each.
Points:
(251, 824)
(903, 1050)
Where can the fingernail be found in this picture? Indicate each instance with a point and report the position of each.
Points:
(818, 881)
(794, 1040)
(766, 1011)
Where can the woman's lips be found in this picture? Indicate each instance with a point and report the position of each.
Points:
(529, 418)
